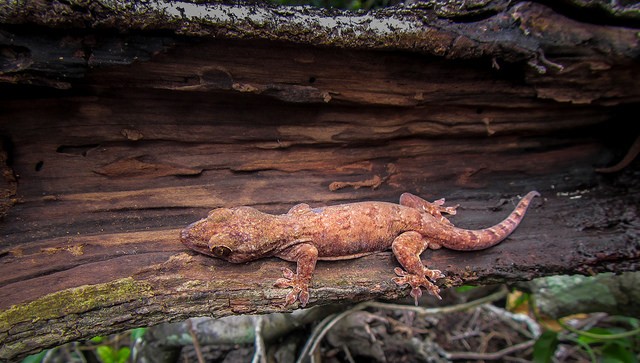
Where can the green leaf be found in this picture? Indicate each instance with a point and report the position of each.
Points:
(137, 333)
(545, 346)
(617, 353)
(355, 5)
(523, 298)
(465, 288)
(96, 340)
(35, 358)
(123, 354)
(596, 330)
(109, 355)
(106, 354)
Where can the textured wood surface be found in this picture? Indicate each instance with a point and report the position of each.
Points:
(107, 161)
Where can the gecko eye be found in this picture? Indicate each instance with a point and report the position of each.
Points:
(220, 251)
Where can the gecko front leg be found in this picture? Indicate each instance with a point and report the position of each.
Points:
(305, 255)
(407, 248)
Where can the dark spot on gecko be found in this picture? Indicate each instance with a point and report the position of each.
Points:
(39, 165)
(492, 232)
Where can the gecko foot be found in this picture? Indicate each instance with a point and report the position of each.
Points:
(435, 208)
(300, 288)
(417, 281)
(451, 210)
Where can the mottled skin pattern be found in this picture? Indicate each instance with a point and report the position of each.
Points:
(305, 235)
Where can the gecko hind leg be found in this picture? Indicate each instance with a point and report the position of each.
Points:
(435, 208)
(407, 248)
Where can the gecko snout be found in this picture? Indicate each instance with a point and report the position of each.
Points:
(186, 238)
(184, 235)
(190, 238)
(187, 235)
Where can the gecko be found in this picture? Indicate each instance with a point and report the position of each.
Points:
(305, 235)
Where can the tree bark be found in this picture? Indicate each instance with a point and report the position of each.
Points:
(123, 122)
(560, 296)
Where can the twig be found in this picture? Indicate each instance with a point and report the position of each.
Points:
(441, 310)
(327, 323)
(583, 345)
(196, 344)
(490, 356)
(49, 355)
(259, 355)
(76, 350)
(588, 322)
(347, 354)
(486, 339)
(509, 317)
(516, 359)
(599, 336)
(465, 335)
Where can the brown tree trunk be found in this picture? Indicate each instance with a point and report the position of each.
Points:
(122, 122)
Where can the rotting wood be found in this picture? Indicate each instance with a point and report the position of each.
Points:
(8, 184)
(119, 139)
(568, 60)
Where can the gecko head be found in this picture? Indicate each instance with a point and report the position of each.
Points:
(236, 234)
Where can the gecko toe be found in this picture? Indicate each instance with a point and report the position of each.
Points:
(436, 294)
(292, 296)
(303, 297)
(287, 273)
(433, 274)
(300, 290)
(451, 210)
(400, 281)
(417, 282)
(400, 272)
(282, 283)
(416, 293)
(297, 293)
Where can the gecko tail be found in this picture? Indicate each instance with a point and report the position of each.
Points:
(469, 240)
